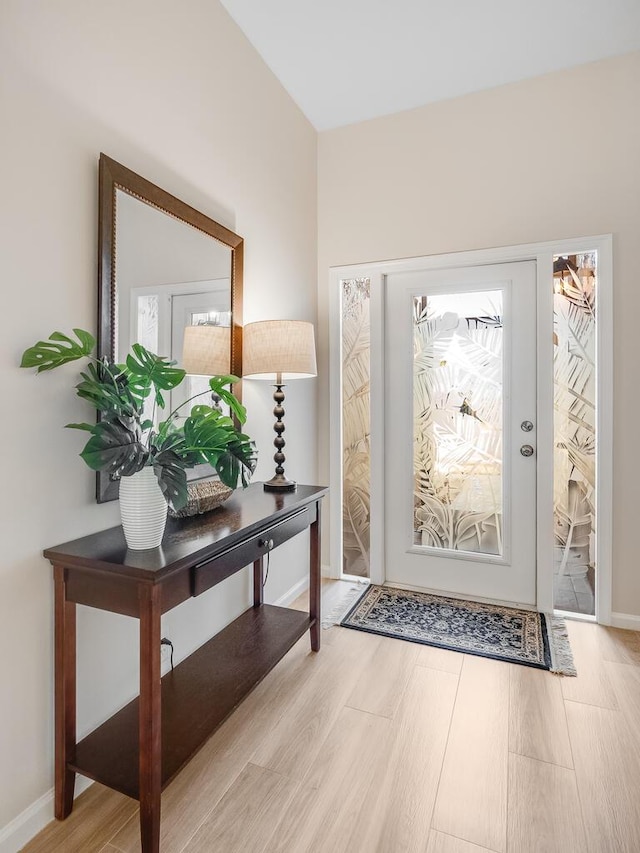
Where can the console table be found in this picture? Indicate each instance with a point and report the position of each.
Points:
(139, 749)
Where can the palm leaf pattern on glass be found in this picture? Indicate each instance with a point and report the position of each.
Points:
(458, 425)
(574, 410)
(356, 340)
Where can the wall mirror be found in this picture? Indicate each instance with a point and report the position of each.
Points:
(162, 266)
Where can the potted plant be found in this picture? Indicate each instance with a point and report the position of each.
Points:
(130, 442)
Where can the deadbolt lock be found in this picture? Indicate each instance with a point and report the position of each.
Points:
(526, 426)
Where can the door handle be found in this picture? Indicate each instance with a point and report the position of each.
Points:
(526, 450)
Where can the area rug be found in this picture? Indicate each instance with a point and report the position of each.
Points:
(488, 630)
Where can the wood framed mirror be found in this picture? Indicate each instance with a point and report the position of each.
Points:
(162, 266)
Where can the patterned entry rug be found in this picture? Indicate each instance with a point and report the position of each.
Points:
(488, 630)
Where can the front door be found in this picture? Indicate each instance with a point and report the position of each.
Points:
(460, 408)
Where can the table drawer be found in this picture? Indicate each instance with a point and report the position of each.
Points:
(221, 565)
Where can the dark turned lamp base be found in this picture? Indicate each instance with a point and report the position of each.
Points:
(279, 485)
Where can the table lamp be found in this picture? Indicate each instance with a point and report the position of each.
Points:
(277, 351)
(206, 350)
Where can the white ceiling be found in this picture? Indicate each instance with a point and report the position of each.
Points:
(344, 61)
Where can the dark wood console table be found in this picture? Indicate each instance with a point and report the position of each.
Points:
(141, 748)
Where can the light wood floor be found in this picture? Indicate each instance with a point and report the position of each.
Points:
(380, 746)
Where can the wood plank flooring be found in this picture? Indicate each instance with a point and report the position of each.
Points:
(474, 772)
(380, 746)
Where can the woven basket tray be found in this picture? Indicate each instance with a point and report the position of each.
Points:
(204, 496)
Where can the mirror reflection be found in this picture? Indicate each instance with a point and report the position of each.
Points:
(170, 276)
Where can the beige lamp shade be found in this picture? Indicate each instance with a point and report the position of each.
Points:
(206, 350)
(278, 350)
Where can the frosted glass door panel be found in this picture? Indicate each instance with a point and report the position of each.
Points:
(458, 421)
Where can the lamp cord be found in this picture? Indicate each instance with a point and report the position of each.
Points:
(165, 642)
(266, 574)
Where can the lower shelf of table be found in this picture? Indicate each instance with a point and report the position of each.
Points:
(196, 697)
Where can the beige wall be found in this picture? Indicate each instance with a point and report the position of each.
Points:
(175, 92)
(549, 158)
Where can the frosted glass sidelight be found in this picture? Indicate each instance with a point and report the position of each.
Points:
(574, 482)
(458, 421)
(356, 425)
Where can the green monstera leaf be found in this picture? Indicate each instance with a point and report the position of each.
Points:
(172, 478)
(107, 388)
(59, 349)
(170, 462)
(115, 447)
(218, 385)
(206, 432)
(237, 462)
(214, 438)
(148, 370)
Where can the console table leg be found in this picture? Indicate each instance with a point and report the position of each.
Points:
(258, 575)
(65, 695)
(150, 724)
(315, 579)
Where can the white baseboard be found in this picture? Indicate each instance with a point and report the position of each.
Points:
(290, 595)
(625, 620)
(34, 818)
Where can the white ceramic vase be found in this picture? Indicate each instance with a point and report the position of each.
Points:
(143, 510)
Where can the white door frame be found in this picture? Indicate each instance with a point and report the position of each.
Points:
(543, 254)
